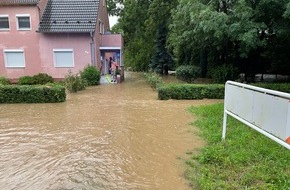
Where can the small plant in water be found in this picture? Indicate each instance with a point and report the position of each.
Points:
(153, 79)
(91, 75)
(74, 83)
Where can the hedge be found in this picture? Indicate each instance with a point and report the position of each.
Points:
(187, 73)
(32, 93)
(191, 91)
(153, 79)
(282, 87)
(4, 81)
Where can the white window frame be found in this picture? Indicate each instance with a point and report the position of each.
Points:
(13, 51)
(100, 27)
(17, 21)
(5, 29)
(63, 50)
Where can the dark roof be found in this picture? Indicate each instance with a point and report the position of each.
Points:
(18, 2)
(75, 16)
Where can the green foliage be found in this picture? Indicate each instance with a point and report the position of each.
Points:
(153, 79)
(246, 34)
(245, 160)
(4, 81)
(138, 44)
(26, 80)
(187, 73)
(74, 83)
(222, 73)
(32, 94)
(91, 75)
(253, 36)
(157, 26)
(282, 87)
(113, 7)
(42, 78)
(117, 29)
(190, 91)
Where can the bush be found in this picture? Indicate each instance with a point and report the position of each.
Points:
(74, 83)
(187, 73)
(282, 87)
(91, 75)
(26, 80)
(153, 79)
(4, 81)
(222, 73)
(190, 91)
(32, 94)
(42, 78)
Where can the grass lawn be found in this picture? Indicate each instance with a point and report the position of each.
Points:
(245, 160)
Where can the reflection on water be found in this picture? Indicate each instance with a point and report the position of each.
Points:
(106, 137)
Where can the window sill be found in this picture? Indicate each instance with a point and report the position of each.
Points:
(23, 29)
(16, 67)
(59, 67)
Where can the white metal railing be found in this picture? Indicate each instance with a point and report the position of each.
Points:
(266, 111)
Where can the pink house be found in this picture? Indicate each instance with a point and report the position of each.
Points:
(55, 36)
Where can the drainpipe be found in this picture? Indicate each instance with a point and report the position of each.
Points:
(93, 53)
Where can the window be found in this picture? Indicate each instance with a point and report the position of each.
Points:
(23, 22)
(14, 58)
(4, 22)
(63, 57)
(101, 27)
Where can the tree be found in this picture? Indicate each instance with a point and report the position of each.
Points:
(138, 46)
(239, 32)
(157, 27)
(114, 7)
(117, 29)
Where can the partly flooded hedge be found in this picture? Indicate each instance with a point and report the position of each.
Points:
(32, 93)
(191, 91)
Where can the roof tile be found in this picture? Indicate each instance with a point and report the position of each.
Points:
(18, 2)
(69, 16)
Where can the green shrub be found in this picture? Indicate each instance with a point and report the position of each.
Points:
(190, 91)
(42, 78)
(282, 87)
(91, 75)
(74, 83)
(222, 73)
(4, 81)
(26, 80)
(187, 73)
(153, 79)
(32, 94)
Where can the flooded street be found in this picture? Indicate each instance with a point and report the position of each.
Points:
(106, 137)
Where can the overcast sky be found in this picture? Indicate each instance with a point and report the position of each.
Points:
(113, 20)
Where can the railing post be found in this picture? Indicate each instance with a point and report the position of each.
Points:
(224, 125)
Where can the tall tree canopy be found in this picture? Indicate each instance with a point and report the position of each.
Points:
(114, 7)
(252, 35)
(238, 32)
(138, 45)
(157, 26)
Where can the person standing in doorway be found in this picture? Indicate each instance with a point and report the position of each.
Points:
(110, 65)
(114, 68)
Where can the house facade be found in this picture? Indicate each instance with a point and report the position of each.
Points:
(54, 36)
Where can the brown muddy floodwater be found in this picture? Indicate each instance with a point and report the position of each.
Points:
(106, 137)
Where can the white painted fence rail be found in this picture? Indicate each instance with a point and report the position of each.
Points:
(266, 111)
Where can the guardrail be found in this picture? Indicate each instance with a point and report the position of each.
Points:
(266, 111)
